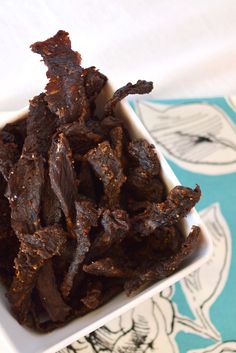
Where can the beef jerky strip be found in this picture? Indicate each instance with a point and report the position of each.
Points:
(116, 225)
(86, 217)
(80, 137)
(35, 250)
(24, 193)
(179, 202)
(109, 170)
(117, 141)
(41, 125)
(143, 187)
(50, 297)
(93, 297)
(157, 270)
(65, 92)
(9, 155)
(144, 155)
(62, 177)
(167, 239)
(50, 206)
(5, 220)
(14, 132)
(141, 87)
(94, 82)
(109, 267)
(86, 181)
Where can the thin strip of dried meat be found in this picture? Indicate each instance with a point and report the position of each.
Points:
(116, 225)
(117, 141)
(41, 125)
(141, 87)
(156, 270)
(50, 206)
(179, 202)
(65, 92)
(143, 187)
(145, 156)
(15, 132)
(25, 185)
(49, 294)
(62, 177)
(86, 218)
(93, 296)
(86, 181)
(109, 170)
(9, 154)
(110, 267)
(80, 137)
(35, 250)
(94, 81)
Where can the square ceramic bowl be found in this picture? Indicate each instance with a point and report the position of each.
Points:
(19, 339)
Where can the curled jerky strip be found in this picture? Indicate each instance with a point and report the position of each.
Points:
(179, 202)
(109, 170)
(86, 217)
(35, 250)
(65, 92)
(141, 87)
(63, 178)
(157, 270)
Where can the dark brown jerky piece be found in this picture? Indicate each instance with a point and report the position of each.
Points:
(94, 82)
(50, 297)
(116, 225)
(9, 155)
(117, 141)
(34, 251)
(165, 240)
(15, 133)
(93, 297)
(143, 187)
(86, 218)
(50, 206)
(80, 137)
(157, 270)
(109, 267)
(41, 125)
(65, 92)
(86, 181)
(144, 155)
(109, 170)
(5, 220)
(24, 194)
(141, 87)
(62, 176)
(179, 202)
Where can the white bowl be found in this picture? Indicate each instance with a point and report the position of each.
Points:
(19, 339)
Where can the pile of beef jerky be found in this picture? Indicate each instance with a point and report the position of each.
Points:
(84, 212)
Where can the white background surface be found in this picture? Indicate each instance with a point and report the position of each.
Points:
(187, 47)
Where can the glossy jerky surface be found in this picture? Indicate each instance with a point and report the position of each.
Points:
(85, 213)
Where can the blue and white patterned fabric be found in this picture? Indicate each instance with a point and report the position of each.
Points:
(198, 314)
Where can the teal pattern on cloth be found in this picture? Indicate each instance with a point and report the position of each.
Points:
(198, 314)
